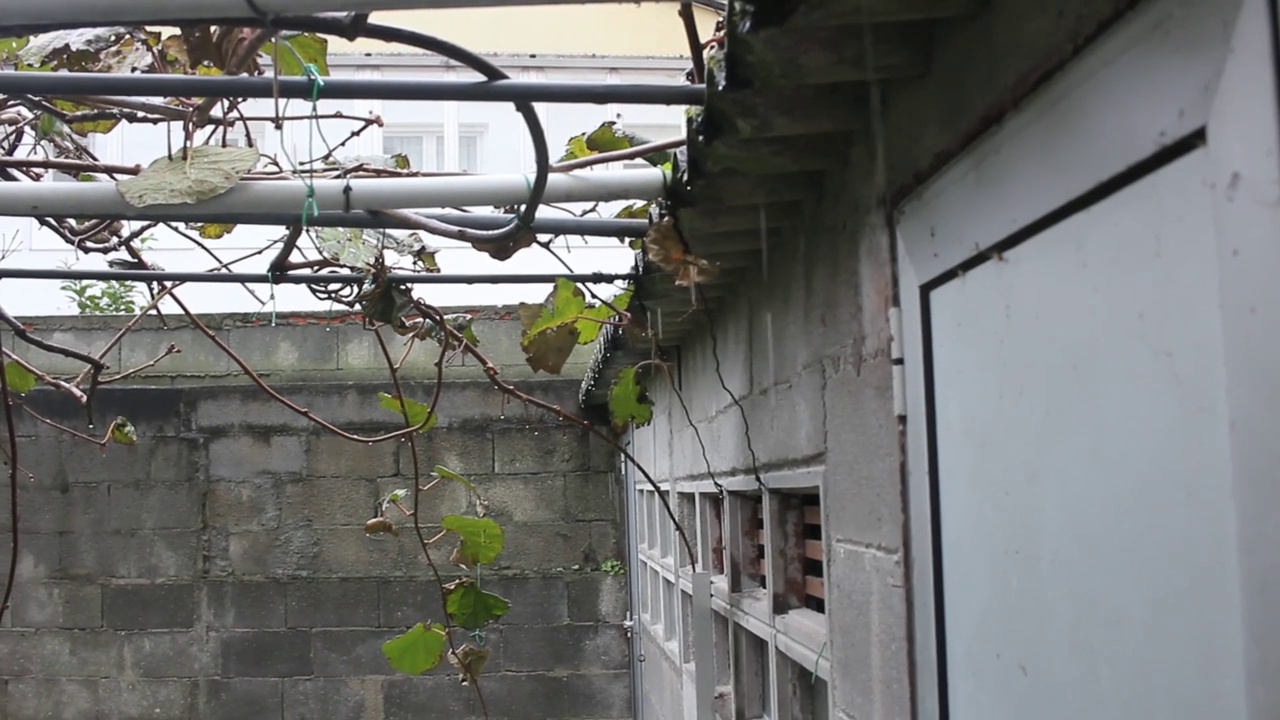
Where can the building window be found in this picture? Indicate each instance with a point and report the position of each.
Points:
(469, 149)
(815, 583)
(425, 149)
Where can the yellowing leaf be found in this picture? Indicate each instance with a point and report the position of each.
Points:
(482, 538)
(19, 379)
(206, 172)
(213, 231)
(417, 650)
(627, 404)
(664, 248)
(415, 411)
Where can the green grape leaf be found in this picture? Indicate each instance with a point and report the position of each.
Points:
(10, 47)
(445, 472)
(302, 49)
(471, 607)
(634, 211)
(78, 49)
(19, 379)
(417, 650)
(593, 318)
(346, 246)
(416, 411)
(206, 172)
(123, 432)
(565, 303)
(627, 402)
(482, 538)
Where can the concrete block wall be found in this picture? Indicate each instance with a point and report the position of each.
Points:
(219, 569)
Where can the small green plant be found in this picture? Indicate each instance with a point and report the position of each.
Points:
(109, 297)
(613, 566)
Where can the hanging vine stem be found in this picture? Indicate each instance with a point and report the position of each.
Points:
(495, 378)
(394, 369)
(13, 492)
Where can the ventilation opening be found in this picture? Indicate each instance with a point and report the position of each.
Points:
(815, 584)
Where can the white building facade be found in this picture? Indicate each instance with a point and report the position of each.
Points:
(476, 137)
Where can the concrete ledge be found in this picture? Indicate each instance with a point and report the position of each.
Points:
(303, 347)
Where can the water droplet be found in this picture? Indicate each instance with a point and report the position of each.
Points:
(370, 444)
(90, 426)
(502, 417)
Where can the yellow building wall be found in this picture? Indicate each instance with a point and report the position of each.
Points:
(651, 28)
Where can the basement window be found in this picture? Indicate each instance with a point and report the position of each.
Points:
(815, 583)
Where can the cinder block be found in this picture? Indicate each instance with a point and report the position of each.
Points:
(862, 497)
(348, 552)
(198, 355)
(166, 655)
(534, 601)
(464, 449)
(324, 699)
(439, 696)
(603, 456)
(39, 557)
(598, 695)
(244, 457)
(528, 498)
(526, 696)
(332, 604)
(402, 603)
(593, 496)
(17, 652)
(88, 340)
(265, 653)
(49, 604)
(245, 605)
(240, 699)
(238, 408)
(76, 653)
(166, 506)
(46, 698)
(289, 552)
(329, 455)
(285, 348)
(539, 449)
(121, 699)
(151, 555)
(152, 460)
(330, 502)
(545, 546)
(149, 607)
(238, 506)
(347, 653)
(565, 648)
(62, 507)
(867, 618)
(598, 597)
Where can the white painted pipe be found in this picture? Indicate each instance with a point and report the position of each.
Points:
(129, 12)
(90, 199)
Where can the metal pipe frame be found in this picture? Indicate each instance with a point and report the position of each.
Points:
(302, 278)
(342, 88)
(586, 227)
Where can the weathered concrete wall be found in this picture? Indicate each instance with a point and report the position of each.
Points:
(219, 569)
(804, 344)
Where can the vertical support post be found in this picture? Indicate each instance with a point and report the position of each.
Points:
(704, 653)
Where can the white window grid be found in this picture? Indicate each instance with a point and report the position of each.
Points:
(436, 149)
(771, 656)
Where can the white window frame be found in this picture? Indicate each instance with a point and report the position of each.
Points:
(430, 135)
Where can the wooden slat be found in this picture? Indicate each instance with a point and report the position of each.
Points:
(812, 515)
(815, 587)
(813, 549)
